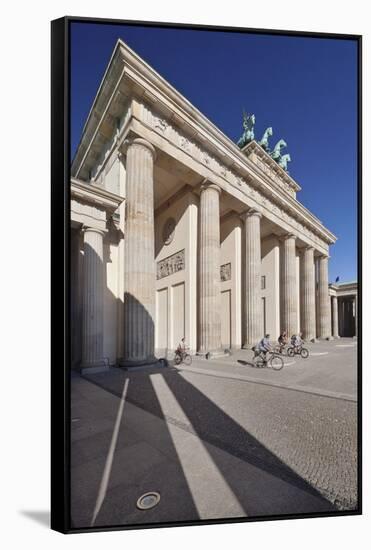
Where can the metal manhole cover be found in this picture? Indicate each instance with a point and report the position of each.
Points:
(148, 500)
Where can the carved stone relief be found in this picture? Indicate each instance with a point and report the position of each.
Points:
(225, 272)
(171, 265)
(229, 176)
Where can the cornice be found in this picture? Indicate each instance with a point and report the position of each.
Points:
(127, 70)
(94, 194)
(242, 176)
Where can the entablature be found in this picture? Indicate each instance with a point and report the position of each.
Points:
(92, 205)
(156, 106)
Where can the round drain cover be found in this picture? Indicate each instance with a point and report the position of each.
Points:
(148, 500)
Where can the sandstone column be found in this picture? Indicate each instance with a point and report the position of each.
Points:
(253, 301)
(92, 322)
(289, 306)
(139, 256)
(335, 317)
(308, 295)
(356, 315)
(209, 270)
(324, 299)
(341, 316)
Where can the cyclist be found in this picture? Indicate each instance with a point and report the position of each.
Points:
(297, 340)
(264, 346)
(180, 350)
(282, 340)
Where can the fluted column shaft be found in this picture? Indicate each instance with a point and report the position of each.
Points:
(139, 255)
(289, 306)
(356, 315)
(209, 271)
(308, 293)
(323, 299)
(253, 302)
(92, 322)
(335, 317)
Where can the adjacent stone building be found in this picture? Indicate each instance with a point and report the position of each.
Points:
(344, 309)
(176, 231)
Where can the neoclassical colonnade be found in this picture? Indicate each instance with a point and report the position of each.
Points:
(138, 341)
(142, 144)
(344, 309)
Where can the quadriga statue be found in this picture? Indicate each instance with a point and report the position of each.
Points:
(284, 160)
(248, 134)
(264, 140)
(276, 153)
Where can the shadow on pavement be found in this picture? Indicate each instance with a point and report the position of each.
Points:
(247, 363)
(260, 482)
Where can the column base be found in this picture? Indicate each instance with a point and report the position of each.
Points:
(250, 347)
(129, 364)
(213, 354)
(92, 368)
(323, 338)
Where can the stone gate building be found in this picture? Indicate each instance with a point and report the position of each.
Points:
(176, 231)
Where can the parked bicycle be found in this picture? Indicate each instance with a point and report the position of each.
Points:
(181, 356)
(298, 350)
(274, 361)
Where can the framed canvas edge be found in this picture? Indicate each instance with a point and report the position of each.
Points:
(60, 272)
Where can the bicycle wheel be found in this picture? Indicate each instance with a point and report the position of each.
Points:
(259, 363)
(304, 353)
(187, 359)
(276, 362)
(177, 359)
(290, 351)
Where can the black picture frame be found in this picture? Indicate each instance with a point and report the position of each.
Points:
(60, 271)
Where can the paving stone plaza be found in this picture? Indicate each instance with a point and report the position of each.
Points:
(217, 439)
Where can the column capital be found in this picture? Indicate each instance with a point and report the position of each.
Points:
(324, 257)
(86, 228)
(250, 212)
(309, 248)
(130, 142)
(287, 237)
(206, 184)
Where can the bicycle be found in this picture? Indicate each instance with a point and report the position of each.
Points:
(297, 350)
(280, 348)
(275, 362)
(181, 356)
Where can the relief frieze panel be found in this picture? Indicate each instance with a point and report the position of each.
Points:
(166, 129)
(170, 265)
(271, 174)
(225, 272)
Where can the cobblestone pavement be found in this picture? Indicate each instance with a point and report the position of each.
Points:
(297, 426)
(315, 436)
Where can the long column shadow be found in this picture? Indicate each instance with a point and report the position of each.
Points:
(261, 482)
(260, 492)
(139, 464)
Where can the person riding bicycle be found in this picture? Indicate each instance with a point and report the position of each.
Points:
(264, 346)
(180, 350)
(282, 340)
(297, 340)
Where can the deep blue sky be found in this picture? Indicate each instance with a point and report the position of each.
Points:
(305, 88)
